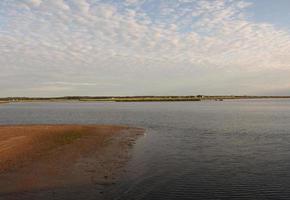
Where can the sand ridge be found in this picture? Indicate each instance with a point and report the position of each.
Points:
(49, 159)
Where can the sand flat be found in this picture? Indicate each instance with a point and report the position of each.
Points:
(41, 160)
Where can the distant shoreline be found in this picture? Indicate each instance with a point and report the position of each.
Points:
(133, 98)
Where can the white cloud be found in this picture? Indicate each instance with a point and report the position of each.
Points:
(59, 40)
(33, 2)
(131, 1)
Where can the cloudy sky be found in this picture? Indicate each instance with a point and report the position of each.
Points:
(144, 47)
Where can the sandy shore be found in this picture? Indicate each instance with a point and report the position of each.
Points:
(62, 161)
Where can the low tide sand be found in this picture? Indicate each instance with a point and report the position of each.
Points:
(62, 161)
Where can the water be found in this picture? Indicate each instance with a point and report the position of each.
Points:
(191, 150)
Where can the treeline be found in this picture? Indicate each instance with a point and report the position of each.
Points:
(137, 98)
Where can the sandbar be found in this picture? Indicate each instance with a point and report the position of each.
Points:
(62, 161)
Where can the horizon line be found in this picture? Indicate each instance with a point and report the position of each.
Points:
(136, 96)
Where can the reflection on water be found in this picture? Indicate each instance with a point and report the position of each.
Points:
(191, 150)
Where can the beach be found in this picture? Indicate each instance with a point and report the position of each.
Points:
(62, 161)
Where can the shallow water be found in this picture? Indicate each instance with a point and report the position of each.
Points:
(191, 150)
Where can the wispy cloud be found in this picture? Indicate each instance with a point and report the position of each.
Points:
(87, 41)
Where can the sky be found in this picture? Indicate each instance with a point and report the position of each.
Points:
(144, 47)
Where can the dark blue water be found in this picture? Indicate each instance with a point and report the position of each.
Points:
(191, 150)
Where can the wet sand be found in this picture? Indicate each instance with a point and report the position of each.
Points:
(62, 161)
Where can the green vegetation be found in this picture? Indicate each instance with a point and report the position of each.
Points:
(67, 138)
(134, 98)
(145, 99)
